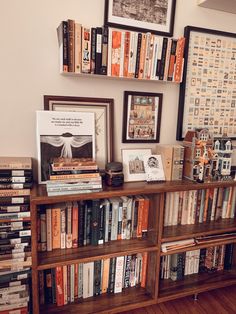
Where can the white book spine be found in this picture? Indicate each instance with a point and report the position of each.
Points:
(119, 274)
(114, 224)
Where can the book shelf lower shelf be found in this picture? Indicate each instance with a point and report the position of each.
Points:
(128, 299)
(90, 253)
(196, 283)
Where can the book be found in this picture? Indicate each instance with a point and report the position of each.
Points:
(119, 274)
(71, 45)
(62, 31)
(98, 54)
(95, 215)
(178, 72)
(97, 277)
(15, 163)
(88, 279)
(86, 49)
(59, 286)
(115, 52)
(78, 48)
(93, 50)
(56, 227)
(75, 224)
(104, 64)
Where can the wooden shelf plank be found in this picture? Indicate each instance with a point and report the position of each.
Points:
(107, 303)
(181, 232)
(200, 246)
(91, 253)
(39, 193)
(196, 283)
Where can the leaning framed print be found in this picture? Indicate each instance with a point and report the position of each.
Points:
(208, 92)
(141, 117)
(103, 110)
(155, 16)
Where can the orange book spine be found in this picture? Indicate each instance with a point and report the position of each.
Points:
(105, 275)
(179, 60)
(75, 225)
(140, 217)
(145, 217)
(126, 54)
(76, 281)
(56, 228)
(116, 51)
(144, 270)
(59, 286)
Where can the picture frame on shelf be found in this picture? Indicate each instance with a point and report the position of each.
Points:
(141, 117)
(133, 163)
(103, 109)
(207, 93)
(153, 16)
(154, 168)
(63, 134)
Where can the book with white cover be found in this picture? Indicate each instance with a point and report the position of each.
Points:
(63, 134)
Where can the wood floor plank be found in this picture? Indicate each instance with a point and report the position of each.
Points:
(219, 301)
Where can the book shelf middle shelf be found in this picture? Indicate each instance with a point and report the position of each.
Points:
(90, 253)
(181, 232)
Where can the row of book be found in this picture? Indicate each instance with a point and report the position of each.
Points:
(15, 234)
(67, 284)
(190, 207)
(121, 53)
(92, 222)
(73, 176)
(210, 259)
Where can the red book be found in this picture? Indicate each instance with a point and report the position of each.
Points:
(179, 62)
(22, 310)
(145, 217)
(126, 53)
(76, 281)
(140, 216)
(59, 286)
(144, 270)
(75, 225)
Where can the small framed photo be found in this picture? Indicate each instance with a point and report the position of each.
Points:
(154, 168)
(156, 16)
(141, 117)
(133, 164)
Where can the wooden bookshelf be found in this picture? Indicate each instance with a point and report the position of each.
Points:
(156, 290)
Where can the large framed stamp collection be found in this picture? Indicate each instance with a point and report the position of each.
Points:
(208, 92)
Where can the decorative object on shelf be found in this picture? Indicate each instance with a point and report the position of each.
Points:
(154, 16)
(207, 94)
(63, 134)
(133, 163)
(207, 158)
(103, 110)
(141, 117)
(114, 174)
(154, 168)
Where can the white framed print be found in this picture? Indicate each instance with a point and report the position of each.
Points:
(133, 164)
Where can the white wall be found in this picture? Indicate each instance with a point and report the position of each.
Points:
(29, 67)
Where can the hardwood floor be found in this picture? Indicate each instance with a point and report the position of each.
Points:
(219, 301)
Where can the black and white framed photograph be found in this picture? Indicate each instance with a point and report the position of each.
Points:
(133, 164)
(155, 16)
(141, 117)
(154, 168)
(63, 134)
(104, 121)
(207, 94)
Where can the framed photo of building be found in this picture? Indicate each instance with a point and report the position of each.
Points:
(133, 164)
(207, 94)
(103, 110)
(155, 16)
(141, 117)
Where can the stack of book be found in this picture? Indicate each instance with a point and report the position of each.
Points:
(211, 259)
(121, 53)
(73, 176)
(66, 284)
(15, 234)
(92, 222)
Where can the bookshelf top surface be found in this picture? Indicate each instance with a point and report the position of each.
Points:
(39, 193)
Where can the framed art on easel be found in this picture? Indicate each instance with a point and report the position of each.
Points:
(208, 92)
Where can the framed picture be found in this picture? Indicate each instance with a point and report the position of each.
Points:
(103, 110)
(155, 16)
(154, 168)
(133, 164)
(207, 94)
(141, 117)
(63, 134)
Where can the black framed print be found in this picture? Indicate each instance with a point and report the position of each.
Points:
(208, 92)
(141, 117)
(155, 16)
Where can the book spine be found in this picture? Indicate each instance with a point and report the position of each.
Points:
(59, 286)
(93, 49)
(119, 274)
(172, 60)
(97, 277)
(179, 60)
(78, 40)
(112, 271)
(63, 228)
(101, 227)
(139, 43)
(71, 45)
(49, 228)
(163, 58)
(69, 225)
(95, 222)
(81, 223)
(142, 56)
(75, 216)
(98, 62)
(86, 51)
(56, 228)
(48, 286)
(103, 69)
(126, 53)
(115, 53)
(105, 275)
(65, 284)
